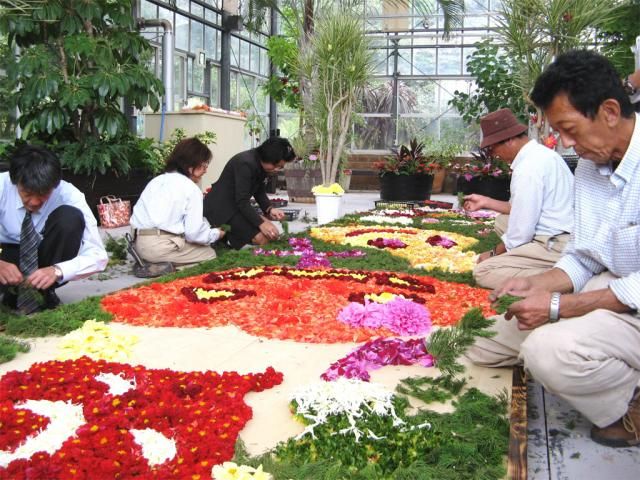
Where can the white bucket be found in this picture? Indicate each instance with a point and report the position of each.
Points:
(329, 207)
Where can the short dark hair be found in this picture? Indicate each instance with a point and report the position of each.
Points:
(34, 168)
(587, 78)
(274, 149)
(187, 154)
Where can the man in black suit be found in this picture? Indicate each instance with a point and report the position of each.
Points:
(243, 177)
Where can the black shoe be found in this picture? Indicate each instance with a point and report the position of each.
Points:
(51, 299)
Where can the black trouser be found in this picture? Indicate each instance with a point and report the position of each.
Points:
(61, 239)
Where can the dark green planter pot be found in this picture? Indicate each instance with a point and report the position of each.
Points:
(127, 187)
(498, 188)
(405, 187)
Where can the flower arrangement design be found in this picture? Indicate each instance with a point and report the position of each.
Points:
(419, 252)
(309, 258)
(299, 304)
(73, 418)
(376, 354)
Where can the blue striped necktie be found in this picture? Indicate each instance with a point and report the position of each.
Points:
(28, 298)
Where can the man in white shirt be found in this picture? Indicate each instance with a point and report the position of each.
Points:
(48, 234)
(535, 223)
(577, 329)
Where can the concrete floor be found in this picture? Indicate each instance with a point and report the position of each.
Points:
(559, 446)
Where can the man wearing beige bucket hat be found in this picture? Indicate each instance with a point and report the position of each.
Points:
(535, 223)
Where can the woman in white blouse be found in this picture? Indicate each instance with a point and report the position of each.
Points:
(167, 220)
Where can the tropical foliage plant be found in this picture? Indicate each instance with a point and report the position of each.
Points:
(619, 34)
(494, 73)
(534, 32)
(337, 66)
(77, 61)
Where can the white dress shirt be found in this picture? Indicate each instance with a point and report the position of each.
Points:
(173, 202)
(92, 256)
(541, 195)
(607, 224)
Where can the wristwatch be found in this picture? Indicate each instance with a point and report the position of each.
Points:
(58, 272)
(554, 307)
(629, 88)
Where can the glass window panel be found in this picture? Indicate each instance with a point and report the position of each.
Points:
(244, 54)
(235, 51)
(189, 73)
(476, 6)
(449, 61)
(166, 14)
(218, 45)
(183, 5)
(255, 59)
(262, 99)
(414, 127)
(453, 39)
(496, 5)
(178, 81)
(476, 21)
(197, 9)
(264, 62)
(215, 87)
(380, 61)
(210, 15)
(374, 7)
(148, 9)
(404, 61)
(210, 42)
(373, 133)
(378, 96)
(424, 61)
(198, 78)
(197, 34)
(182, 32)
(418, 96)
(452, 129)
(288, 124)
(233, 87)
(151, 62)
(424, 40)
(245, 92)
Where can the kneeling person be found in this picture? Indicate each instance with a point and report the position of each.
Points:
(168, 221)
(243, 177)
(535, 224)
(48, 234)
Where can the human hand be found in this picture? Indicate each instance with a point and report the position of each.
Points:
(221, 234)
(519, 287)
(483, 256)
(269, 230)
(276, 214)
(9, 274)
(42, 278)
(530, 312)
(474, 202)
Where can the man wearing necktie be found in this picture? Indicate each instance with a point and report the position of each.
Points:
(48, 234)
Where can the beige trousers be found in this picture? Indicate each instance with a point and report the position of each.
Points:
(592, 361)
(532, 258)
(172, 248)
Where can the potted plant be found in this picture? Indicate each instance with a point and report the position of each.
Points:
(77, 61)
(484, 175)
(302, 174)
(407, 174)
(441, 153)
(337, 65)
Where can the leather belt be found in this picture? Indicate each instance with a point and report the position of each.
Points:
(155, 231)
